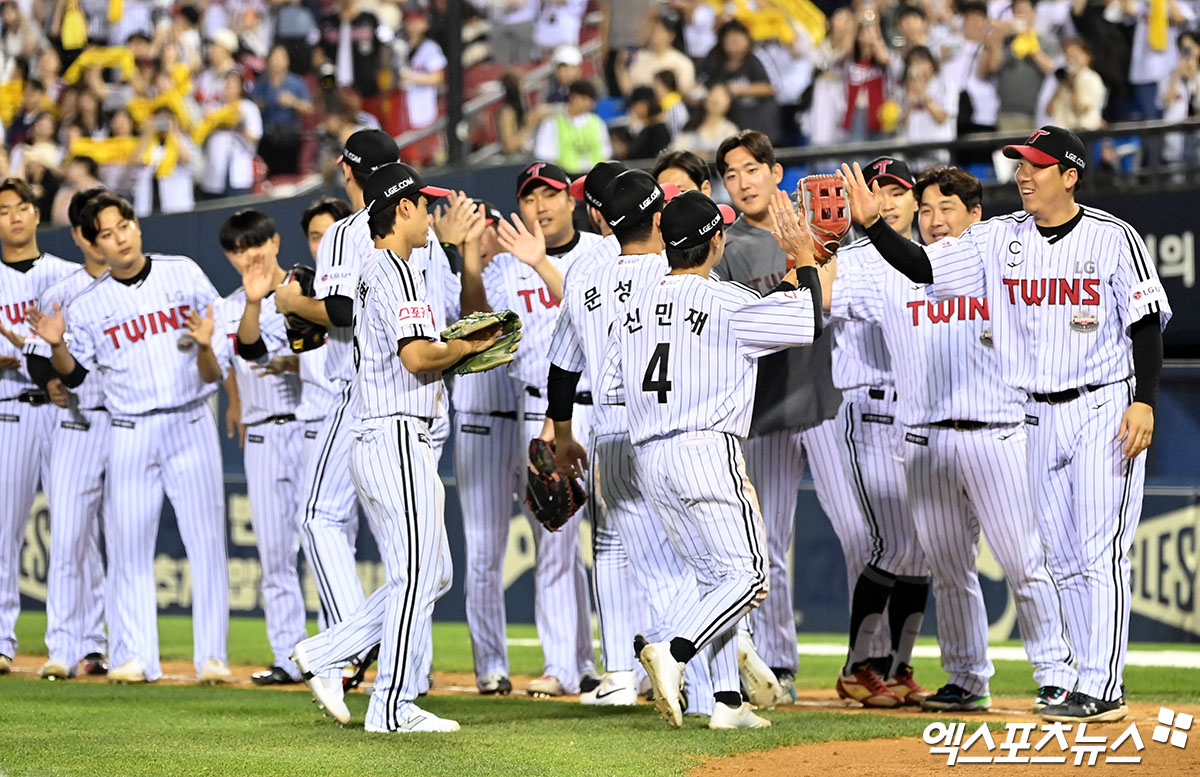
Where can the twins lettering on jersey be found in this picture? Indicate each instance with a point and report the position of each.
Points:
(136, 329)
(542, 294)
(957, 309)
(15, 313)
(1053, 291)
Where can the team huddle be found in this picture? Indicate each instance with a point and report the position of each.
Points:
(942, 376)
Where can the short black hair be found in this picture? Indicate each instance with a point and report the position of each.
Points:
(951, 182)
(96, 206)
(687, 161)
(79, 201)
(246, 229)
(335, 207)
(687, 258)
(583, 88)
(669, 81)
(645, 94)
(21, 188)
(639, 231)
(383, 223)
(92, 168)
(756, 144)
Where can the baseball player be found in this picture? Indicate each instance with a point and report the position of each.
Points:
(682, 357)
(78, 453)
(26, 416)
(964, 449)
(1077, 314)
(685, 170)
(255, 334)
(399, 362)
(139, 328)
(540, 246)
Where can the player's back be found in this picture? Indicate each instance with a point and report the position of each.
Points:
(344, 249)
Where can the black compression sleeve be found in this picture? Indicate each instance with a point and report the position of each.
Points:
(905, 255)
(808, 278)
(40, 369)
(340, 310)
(454, 256)
(560, 387)
(75, 379)
(252, 352)
(1147, 357)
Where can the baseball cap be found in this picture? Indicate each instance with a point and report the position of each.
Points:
(591, 187)
(544, 173)
(567, 54)
(1051, 145)
(888, 170)
(691, 219)
(631, 198)
(491, 213)
(368, 150)
(393, 182)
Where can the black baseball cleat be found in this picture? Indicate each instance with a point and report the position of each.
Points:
(273, 676)
(1081, 708)
(350, 681)
(95, 665)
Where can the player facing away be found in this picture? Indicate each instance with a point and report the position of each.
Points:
(964, 452)
(147, 329)
(26, 415)
(78, 457)
(255, 333)
(399, 364)
(1077, 316)
(682, 357)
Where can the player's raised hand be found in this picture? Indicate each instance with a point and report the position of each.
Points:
(1137, 429)
(529, 247)
(476, 224)
(863, 199)
(452, 222)
(286, 294)
(200, 329)
(278, 366)
(259, 277)
(791, 231)
(50, 327)
(17, 341)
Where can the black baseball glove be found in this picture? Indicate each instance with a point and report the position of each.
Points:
(552, 496)
(303, 335)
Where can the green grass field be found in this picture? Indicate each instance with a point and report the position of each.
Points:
(95, 729)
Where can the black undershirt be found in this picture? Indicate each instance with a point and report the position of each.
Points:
(1054, 234)
(25, 265)
(565, 247)
(142, 275)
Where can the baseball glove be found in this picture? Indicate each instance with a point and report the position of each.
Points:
(552, 496)
(500, 352)
(303, 335)
(823, 198)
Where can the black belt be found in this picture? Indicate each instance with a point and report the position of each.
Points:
(961, 426)
(35, 398)
(880, 394)
(275, 419)
(509, 414)
(583, 398)
(1066, 395)
(533, 392)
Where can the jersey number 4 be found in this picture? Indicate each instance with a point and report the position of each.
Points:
(655, 379)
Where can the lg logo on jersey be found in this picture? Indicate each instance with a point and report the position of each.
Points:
(1053, 291)
(543, 295)
(159, 322)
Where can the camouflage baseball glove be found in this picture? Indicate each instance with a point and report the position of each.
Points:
(500, 352)
(823, 198)
(551, 495)
(303, 335)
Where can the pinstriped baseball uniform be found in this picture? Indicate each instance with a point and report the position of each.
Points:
(1061, 309)
(78, 456)
(24, 429)
(561, 607)
(961, 481)
(164, 437)
(396, 476)
(273, 456)
(682, 357)
(445, 292)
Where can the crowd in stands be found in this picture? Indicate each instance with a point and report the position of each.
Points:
(168, 103)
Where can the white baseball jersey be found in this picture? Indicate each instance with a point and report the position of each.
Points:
(443, 288)
(860, 356)
(682, 354)
(594, 292)
(488, 392)
(20, 291)
(390, 306)
(513, 285)
(340, 256)
(90, 394)
(262, 396)
(136, 336)
(946, 367)
(1061, 309)
(318, 395)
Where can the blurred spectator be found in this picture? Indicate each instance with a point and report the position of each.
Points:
(20, 36)
(660, 53)
(88, 115)
(49, 72)
(517, 120)
(1026, 57)
(283, 98)
(791, 67)
(210, 84)
(68, 29)
(79, 174)
(649, 134)
(971, 69)
(683, 169)
(236, 128)
(295, 30)
(1105, 36)
(1155, 52)
(675, 110)
(699, 26)
(353, 41)
(733, 64)
(184, 32)
(558, 23)
(1181, 99)
(33, 98)
(133, 17)
(166, 165)
(38, 166)
(1080, 93)
(866, 80)
(254, 36)
(823, 124)
(576, 140)
(512, 30)
(926, 115)
(423, 72)
(710, 125)
(41, 141)
(624, 29)
(568, 68)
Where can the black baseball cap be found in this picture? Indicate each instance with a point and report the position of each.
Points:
(591, 187)
(393, 182)
(691, 219)
(368, 150)
(632, 197)
(491, 213)
(543, 173)
(888, 170)
(1051, 145)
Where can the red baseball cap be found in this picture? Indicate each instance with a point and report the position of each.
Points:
(1051, 145)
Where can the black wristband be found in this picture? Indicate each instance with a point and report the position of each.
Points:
(251, 352)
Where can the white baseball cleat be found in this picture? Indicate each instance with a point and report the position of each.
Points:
(762, 686)
(54, 670)
(327, 691)
(131, 671)
(666, 676)
(495, 683)
(617, 689)
(5, 664)
(546, 686)
(214, 671)
(725, 717)
(418, 722)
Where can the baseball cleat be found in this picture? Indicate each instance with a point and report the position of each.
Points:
(276, 675)
(495, 683)
(5, 664)
(214, 671)
(955, 698)
(419, 721)
(762, 686)
(327, 691)
(131, 671)
(617, 689)
(589, 680)
(546, 686)
(54, 670)
(726, 717)
(787, 683)
(865, 687)
(666, 676)
(355, 672)
(95, 665)
(906, 687)
(1081, 708)
(1048, 696)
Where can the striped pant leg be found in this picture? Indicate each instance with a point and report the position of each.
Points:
(440, 433)
(191, 470)
(775, 463)
(611, 571)
(273, 458)
(23, 434)
(95, 636)
(949, 535)
(585, 653)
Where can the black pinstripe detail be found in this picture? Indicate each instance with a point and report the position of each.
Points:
(1141, 260)
(594, 513)
(324, 590)
(407, 609)
(1112, 687)
(860, 488)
